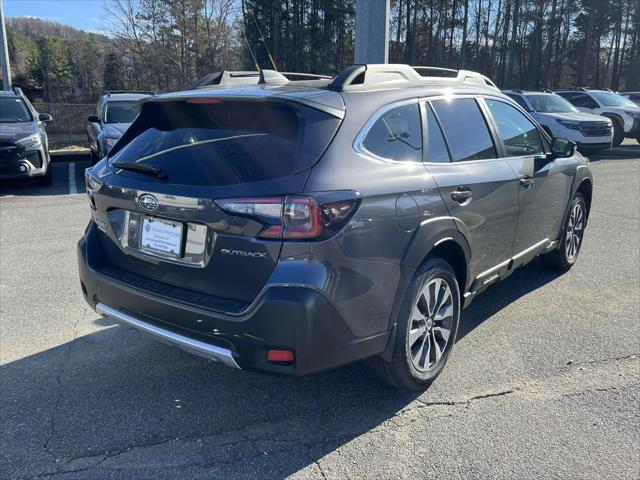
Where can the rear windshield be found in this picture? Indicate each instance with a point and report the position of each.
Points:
(225, 142)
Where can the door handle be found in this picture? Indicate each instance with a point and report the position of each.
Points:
(460, 194)
(526, 181)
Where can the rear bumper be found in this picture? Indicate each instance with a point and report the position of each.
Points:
(283, 317)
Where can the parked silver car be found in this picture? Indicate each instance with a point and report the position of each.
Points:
(114, 113)
(23, 140)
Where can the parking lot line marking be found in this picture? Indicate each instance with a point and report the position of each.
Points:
(73, 188)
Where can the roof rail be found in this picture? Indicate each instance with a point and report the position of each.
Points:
(141, 92)
(305, 76)
(358, 76)
(17, 91)
(575, 89)
(227, 78)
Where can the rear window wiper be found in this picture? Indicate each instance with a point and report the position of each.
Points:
(137, 167)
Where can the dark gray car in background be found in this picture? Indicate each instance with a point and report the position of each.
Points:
(291, 227)
(115, 111)
(24, 149)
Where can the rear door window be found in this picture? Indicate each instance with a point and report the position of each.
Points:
(225, 142)
(519, 135)
(396, 135)
(465, 128)
(581, 100)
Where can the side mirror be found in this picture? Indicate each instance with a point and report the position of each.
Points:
(45, 117)
(93, 119)
(561, 148)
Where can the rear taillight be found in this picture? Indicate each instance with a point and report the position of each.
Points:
(298, 217)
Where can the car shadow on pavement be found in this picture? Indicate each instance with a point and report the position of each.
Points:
(523, 281)
(26, 187)
(115, 401)
(621, 152)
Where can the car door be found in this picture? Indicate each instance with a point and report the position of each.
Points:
(543, 182)
(478, 188)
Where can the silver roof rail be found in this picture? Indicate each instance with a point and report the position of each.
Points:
(372, 75)
(227, 78)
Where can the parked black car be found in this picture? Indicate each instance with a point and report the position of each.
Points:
(298, 226)
(24, 149)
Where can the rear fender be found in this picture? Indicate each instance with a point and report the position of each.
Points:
(427, 237)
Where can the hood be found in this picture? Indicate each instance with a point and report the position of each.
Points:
(115, 130)
(576, 116)
(15, 131)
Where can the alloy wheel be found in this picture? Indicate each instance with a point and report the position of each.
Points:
(575, 228)
(431, 322)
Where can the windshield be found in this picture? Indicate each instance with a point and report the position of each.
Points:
(609, 99)
(14, 110)
(121, 112)
(219, 143)
(550, 104)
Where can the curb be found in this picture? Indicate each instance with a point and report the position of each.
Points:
(82, 156)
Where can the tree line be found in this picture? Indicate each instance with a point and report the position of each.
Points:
(165, 45)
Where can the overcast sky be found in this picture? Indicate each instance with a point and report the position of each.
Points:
(84, 14)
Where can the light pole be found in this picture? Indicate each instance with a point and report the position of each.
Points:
(4, 52)
(372, 31)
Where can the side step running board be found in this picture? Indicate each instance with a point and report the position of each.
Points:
(190, 345)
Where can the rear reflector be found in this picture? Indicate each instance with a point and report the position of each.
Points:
(280, 356)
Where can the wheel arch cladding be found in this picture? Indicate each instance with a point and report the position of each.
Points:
(451, 252)
(586, 189)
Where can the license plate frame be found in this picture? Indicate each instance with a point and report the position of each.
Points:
(160, 236)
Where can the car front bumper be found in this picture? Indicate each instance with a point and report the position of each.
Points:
(17, 162)
(292, 318)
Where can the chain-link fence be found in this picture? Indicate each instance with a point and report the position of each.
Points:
(69, 126)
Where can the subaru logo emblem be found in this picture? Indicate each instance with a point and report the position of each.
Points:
(148, 202)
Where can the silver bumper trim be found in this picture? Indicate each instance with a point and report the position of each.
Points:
(190, 345)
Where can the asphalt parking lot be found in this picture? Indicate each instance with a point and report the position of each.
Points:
(544, 381)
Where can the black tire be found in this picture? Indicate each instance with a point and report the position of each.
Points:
(45, 180)
(618, 132)
(401, 371)
(560, 259)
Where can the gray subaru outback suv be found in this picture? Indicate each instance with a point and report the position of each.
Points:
(24, 151)
(291, 227)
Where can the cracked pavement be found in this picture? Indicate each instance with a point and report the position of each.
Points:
(544, 381)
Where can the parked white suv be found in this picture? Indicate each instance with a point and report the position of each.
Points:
(624, 114)
(561, 119)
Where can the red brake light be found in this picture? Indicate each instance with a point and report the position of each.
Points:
(301, 218)
(293, 217)
(203, 101)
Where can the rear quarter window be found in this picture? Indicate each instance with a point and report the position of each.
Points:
(396, 135)
(226, 142)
